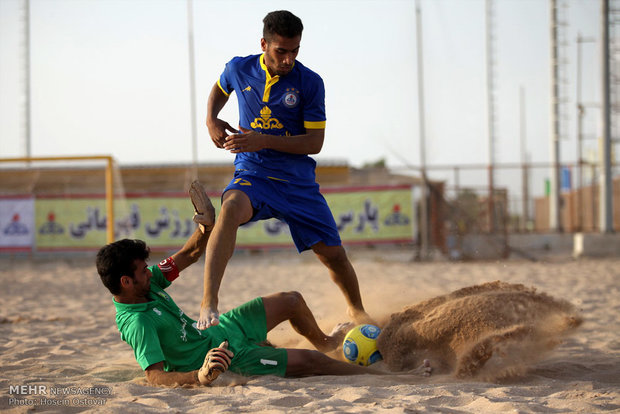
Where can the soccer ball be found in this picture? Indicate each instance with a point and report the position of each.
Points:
(360, 345)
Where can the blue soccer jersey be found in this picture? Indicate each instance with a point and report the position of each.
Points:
(275, 105)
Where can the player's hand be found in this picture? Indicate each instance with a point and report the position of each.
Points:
(217, 361)
(249, 141)
(218, 130)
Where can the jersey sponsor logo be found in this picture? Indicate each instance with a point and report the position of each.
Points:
(265, 121)
(268, 362)
(157, 311)
(195, 326)
(183, 323)
(291, 98)
(248, 89)
(241, 181)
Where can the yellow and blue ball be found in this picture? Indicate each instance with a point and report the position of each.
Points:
(360, 345)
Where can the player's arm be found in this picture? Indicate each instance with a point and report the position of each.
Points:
(217, 128)
(191, 251)
(156, 375)
(216, 361)
(249, 141)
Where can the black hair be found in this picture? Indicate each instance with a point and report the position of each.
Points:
(282, 23)
(117, 259)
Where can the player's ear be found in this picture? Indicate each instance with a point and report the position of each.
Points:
(263, 44)
(126, 281)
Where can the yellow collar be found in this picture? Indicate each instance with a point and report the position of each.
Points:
(264, 67)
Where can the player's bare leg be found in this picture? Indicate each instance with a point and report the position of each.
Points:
(305, 362)
(342, 273)
(236, 209)
(291, 306)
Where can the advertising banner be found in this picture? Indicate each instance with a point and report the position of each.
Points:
(16, 223)
(372, 215)
(366, 215)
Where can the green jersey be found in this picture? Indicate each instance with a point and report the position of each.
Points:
(159, 331)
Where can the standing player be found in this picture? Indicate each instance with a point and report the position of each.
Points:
(282, 121)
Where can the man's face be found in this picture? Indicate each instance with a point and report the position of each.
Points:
(280, 53)
(141, 279)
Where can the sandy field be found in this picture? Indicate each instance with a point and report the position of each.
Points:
(60, 350)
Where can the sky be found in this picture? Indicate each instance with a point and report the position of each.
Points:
(111, 77)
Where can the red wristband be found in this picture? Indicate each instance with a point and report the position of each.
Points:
(169, 268)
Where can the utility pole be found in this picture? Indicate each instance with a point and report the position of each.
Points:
(192, 88)
(490, 110)
(581, 111)
(27, 132)
(524, 161)
(424, 236)
(606, 202)
(555, 216)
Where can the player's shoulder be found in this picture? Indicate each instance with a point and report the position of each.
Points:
(243, 61)
(159, 277)
(307, 74)
(133, 326)
(128, 321)
(306, 71)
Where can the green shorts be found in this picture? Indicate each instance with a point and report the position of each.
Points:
(245, 327)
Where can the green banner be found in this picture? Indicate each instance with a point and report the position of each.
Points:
(371, 215)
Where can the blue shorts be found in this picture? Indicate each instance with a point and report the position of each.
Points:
(301, 206)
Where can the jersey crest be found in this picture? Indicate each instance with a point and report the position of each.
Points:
(266, 121)
(291, 98)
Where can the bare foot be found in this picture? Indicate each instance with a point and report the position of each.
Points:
(359, 316)
(208, 317)
(204, 213)
(424, 370)
(335, 337)
(340, 330)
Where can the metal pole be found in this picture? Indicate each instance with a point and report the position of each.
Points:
(424, 236)
(524, 172)
(490, 112)
(581, 111)
(580, 114)
(27, 108)
(606, 202)
(555, 216)
(457, 181)
(192, 88)
(109, 200)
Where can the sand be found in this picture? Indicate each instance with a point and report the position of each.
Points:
(57, 335)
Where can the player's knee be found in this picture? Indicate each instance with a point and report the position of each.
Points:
(236, 208)
(293, 300)
(231, 204)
